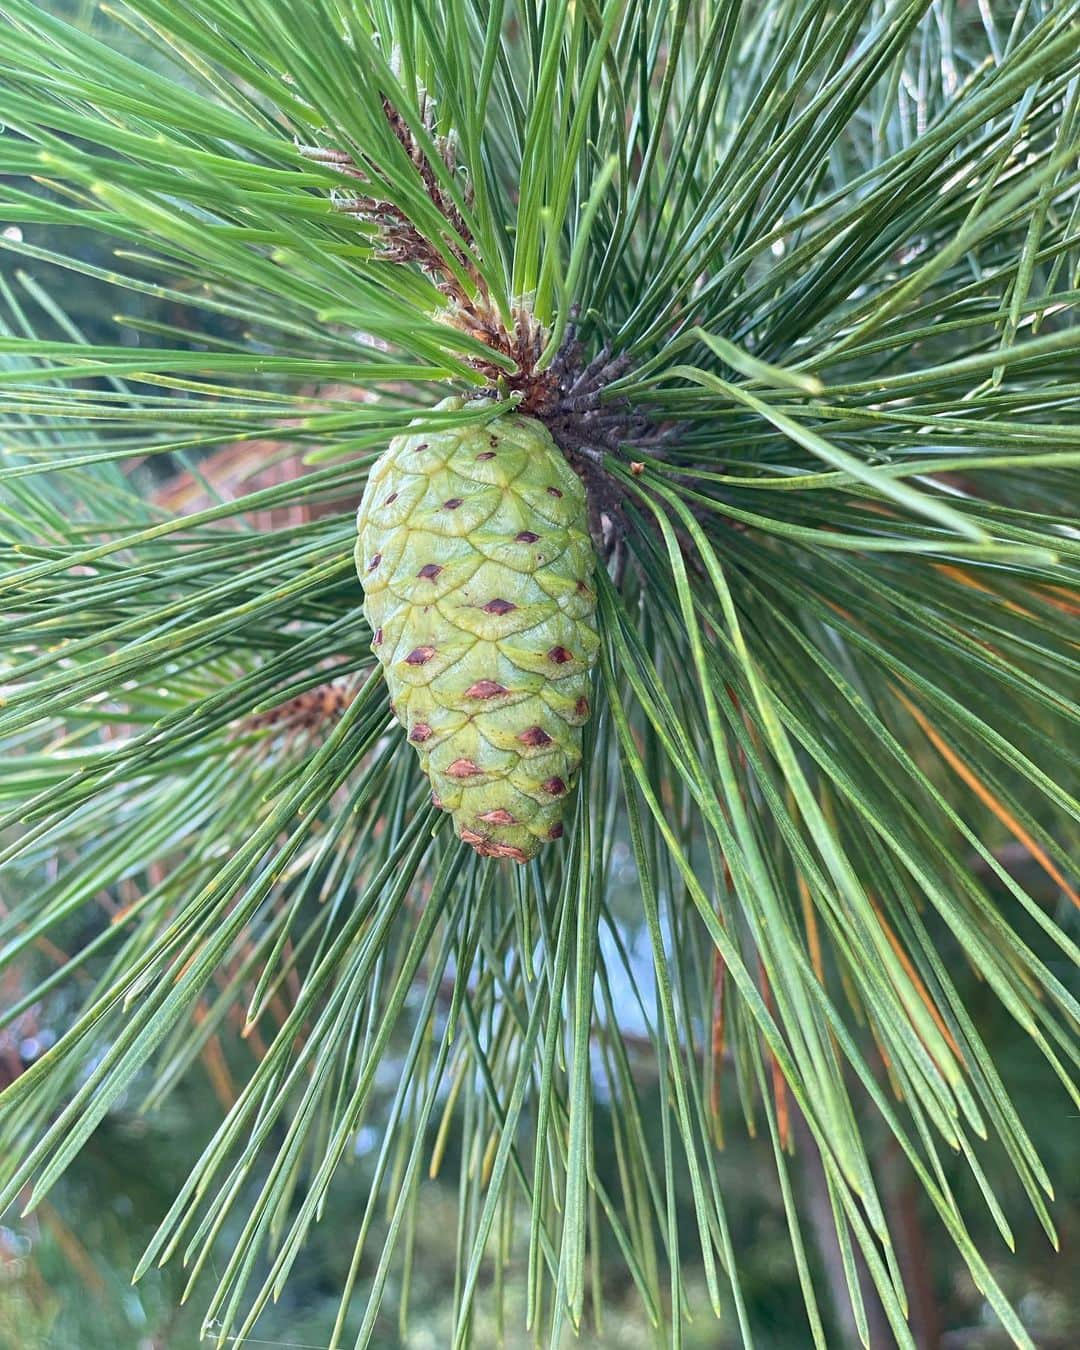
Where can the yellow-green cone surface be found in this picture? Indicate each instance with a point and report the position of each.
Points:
(476, 562)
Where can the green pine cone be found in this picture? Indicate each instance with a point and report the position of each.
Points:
(476, 562)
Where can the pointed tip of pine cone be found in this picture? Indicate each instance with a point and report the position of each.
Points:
(490, 848)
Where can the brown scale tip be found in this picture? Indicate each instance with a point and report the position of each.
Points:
(499, 816)
(391, 499)
(527, 537)
(376, 638)
(486, 454)
(452, 503)
(430, 571)
(499, 606)
(419, 655)
(534, 736)
(485, 689)
(422, 446)
(554, 492)
(374, 562)
(556, 831)
(488, 848)
(420, 733)
(554, 786)
(581, 707)
(560, 656)
(463, 768)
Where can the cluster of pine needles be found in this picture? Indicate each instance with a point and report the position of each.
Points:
(795, 281)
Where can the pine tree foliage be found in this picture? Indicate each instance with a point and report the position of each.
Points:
(801, 275)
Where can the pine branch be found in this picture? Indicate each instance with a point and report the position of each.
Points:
(793, 289)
